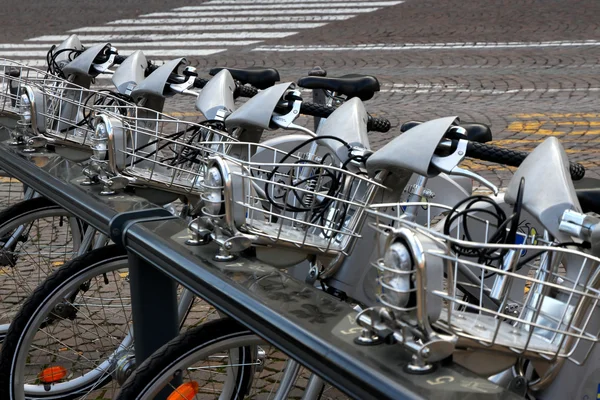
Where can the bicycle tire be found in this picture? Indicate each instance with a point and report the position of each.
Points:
(203, 338)
(199, 343)
(35, 312)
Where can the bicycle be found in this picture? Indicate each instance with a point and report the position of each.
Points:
(354, 205)
(73, 289)
(538, 338)
(38, 236)
(163, 119)
(421, 305)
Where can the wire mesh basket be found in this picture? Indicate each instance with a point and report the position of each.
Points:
(158, 150)
(13, 75)
(66, 111)
(468, 286)
(291, 199)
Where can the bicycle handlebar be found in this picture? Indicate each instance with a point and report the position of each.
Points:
(514, 158)
(312, 109)
(324, 111)
(119, 59)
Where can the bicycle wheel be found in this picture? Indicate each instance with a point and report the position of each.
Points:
(65, 341)
(36, 237)
(219, 359)
(72, 337)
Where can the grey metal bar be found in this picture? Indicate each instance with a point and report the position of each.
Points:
(64, 193)
(313, 388)
(290, 374)
(59, 180)
(154, 307)
(154, 310)
(312, 327)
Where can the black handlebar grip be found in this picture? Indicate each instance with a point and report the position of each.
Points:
(577, 171)
(200, 82)
(119, 59)
(378, 124)
(240, 90)
(151, 68)
(245, 91)
(324, 111)
(514, 158)
(316, 110)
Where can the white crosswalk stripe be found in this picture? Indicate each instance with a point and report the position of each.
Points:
(429, 46)
(238, 2)
(150, 52)
(208, 20)
(203, 28)
(266, 12)
(182, 36)
(285, 6)
(140, 45)
(198, 28)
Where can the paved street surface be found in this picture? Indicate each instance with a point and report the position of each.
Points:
(529, 68)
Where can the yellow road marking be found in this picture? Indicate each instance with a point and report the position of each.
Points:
(477, 166)
(532, 128)
(6, 179)
(588, 164)
(558, 115)
(512, 141)
(528, 124)
(536, 127)
(185, 114)
(579, 151)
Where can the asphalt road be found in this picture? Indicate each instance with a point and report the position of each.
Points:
(527, 67)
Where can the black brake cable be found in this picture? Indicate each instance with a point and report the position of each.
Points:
(487, 256)
(336, 185)
(100, 100)
(289, 154)
(51, 56)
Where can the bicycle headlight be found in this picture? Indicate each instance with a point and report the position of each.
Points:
(25, 109)
(99, 141)
(397, 275)
(213, 193)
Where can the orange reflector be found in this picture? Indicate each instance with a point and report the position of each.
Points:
(187, 391)
(53, 374)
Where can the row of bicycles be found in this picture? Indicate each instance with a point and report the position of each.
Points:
(505, 285)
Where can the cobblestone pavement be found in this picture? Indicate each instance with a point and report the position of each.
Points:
(529, 68)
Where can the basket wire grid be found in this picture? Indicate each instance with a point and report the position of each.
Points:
(68, 109)
(168, 152)
(289, 200)
(553, 317)
(13, 75)
(174, 155)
